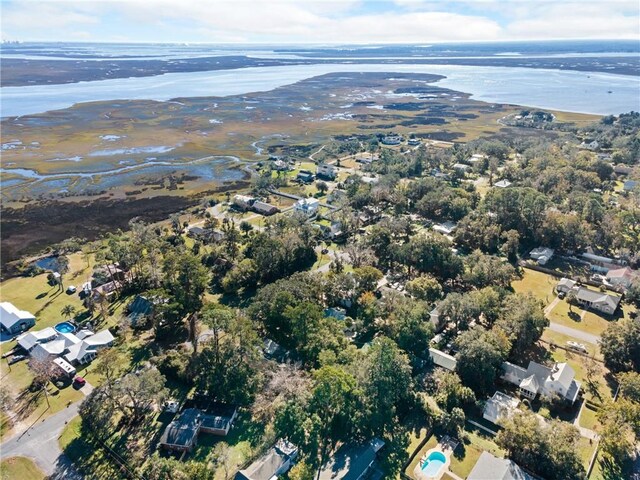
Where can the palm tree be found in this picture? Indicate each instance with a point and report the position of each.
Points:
(68, 311)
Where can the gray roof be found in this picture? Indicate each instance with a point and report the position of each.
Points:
(269, 465)
(592, 296)
(489, 467)
(442, 359)
(182, 431)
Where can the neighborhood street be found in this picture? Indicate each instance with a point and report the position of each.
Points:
(40, 443)
(572, 332)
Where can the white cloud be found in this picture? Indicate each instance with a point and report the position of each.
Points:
(323, 21)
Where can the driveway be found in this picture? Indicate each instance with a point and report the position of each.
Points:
(40, 443)
(572, 332)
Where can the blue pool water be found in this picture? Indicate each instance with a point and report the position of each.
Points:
(434, 462)
(65, 327)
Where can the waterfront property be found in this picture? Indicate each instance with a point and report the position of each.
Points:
(13, 320)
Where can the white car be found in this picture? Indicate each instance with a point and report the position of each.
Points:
(579, 347)
(71, 289)
(171, 406)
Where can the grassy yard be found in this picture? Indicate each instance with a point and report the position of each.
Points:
(539, 284)
(431, 443)
(469, 450)
(561, 339)
(19, 468)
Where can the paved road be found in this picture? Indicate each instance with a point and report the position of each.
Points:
(40, 443)
(572, 332)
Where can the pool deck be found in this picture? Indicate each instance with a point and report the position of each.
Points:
(446, 446)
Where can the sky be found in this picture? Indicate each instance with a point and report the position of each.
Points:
(317, 21)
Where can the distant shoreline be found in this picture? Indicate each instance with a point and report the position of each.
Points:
(32, 72)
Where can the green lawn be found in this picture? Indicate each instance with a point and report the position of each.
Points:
(590, 323)
(469, 450)
(431, 443)
(537, 283)
(588, 416)
(19, 468)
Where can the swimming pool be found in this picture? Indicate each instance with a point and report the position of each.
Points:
(433, 463)
(65, 327)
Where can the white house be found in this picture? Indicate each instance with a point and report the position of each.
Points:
(308, 206)
(543, 380)
(603, 302)
(565, 285)
(443, 360)
(276, 462)
(326, 171)
(81, 347)
(461, 167)
(499, 407)
(445, 228)
(542, 254)
(14, 320)
(243, 201)
(85, 350)
(502, 184)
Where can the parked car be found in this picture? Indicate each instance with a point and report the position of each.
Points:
(579, 347)
(562, 295)
(79, 382)
(171, 406)
(16, 359)
(71, 289)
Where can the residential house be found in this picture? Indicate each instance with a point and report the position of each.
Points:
(281, 166)
(413, 142)
(243, 202)
(276, 462)
(352, 462)
(476, 158)
(540, 379)
(593, 145)
(443, 360)
(461, 167)
(602, 302)
(13, 320)
(391, 140)
(436, 321)
(182, 433)
(29, 340)
(502, 184)
(366, 158)
(445, 228)
(542, 254)
(622, 277)
(264, 208)
(198, 233)
(305, 176)
(140, 307)
(86, 349)
(307, 206)
(326, 171)
(565, 285)
(499, 407)
(489, 467)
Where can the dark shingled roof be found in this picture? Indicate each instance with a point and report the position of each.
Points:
(183, 429)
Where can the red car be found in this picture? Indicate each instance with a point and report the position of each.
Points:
(79, 381)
